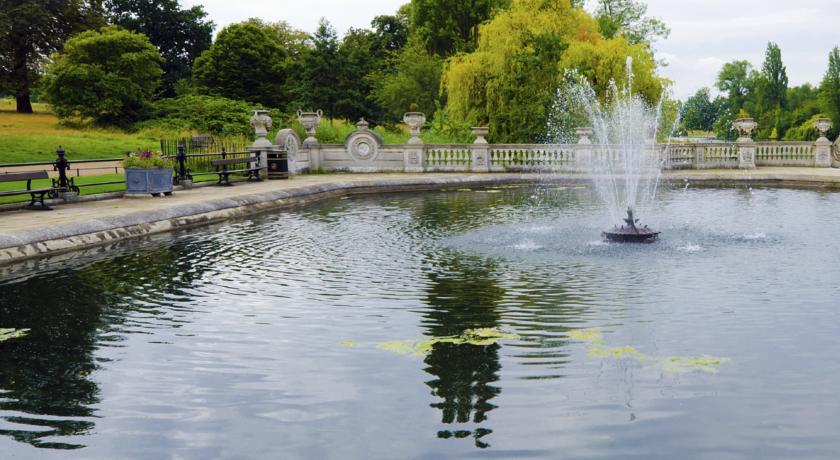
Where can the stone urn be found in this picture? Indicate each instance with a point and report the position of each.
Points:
(823, 125)
(745, 127)
(310, 121)
(584, 135)
(480, 134)
(415, 121)
(261, 123)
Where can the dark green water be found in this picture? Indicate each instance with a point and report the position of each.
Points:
(258, 338)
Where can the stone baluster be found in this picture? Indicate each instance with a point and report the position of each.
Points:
(480, 151)
(822, 147)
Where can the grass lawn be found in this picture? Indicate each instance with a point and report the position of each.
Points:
(35, 137)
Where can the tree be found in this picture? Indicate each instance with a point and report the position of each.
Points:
(107, 75)
(700, 112)
(181, 35)
(359, 56)
(830, 89)
(245, 63)
(510, 81)
(391, 32)
(30, 30)
(737, 80)
(627, 17)
(446, 27)
(771, 92)
(318, 89)
(415, 79)
(773, 84)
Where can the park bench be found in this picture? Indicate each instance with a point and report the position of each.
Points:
(37, 194)
(224, 173)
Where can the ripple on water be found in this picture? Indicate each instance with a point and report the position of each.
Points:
(227, 340)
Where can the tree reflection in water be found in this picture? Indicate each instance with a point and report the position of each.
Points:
(46, 389)
(463, 294)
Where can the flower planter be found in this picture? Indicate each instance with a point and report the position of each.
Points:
(152, 181)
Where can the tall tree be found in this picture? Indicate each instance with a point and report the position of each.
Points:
(181, 35)
(318, 89)
(30, 30)
(446, 27)
(774, 79)
(244, 63)
(830, 88)
(628, 18)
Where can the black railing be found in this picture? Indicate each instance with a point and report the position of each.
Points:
(200, 145)
(187, 165)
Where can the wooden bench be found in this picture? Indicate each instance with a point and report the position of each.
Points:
(37, 194)
(224, 173)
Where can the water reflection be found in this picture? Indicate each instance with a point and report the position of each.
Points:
(463, 294)
(46, 389)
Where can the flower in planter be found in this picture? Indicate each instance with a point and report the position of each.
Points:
(146, 159)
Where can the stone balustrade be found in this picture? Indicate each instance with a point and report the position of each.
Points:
(364, 151)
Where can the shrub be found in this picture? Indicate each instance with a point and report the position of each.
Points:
(204, 114)
(107, 75)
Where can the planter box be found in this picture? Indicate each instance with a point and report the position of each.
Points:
(148, 181)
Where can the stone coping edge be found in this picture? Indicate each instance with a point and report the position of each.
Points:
(50, 240)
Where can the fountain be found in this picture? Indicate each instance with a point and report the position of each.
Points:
(630, 233)
(622, 159)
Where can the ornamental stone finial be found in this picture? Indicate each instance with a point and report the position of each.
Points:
(584, 135)
(823, 125)
(261, 123)
(415, 121)
(310, 121)
(480, 132)
(745, 127)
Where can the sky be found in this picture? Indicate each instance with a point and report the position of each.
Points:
(704, 33)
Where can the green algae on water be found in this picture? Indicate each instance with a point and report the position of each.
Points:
(478, 337)
(9, 334)
(670, 364)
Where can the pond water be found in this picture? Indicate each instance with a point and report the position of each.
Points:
(339, 331)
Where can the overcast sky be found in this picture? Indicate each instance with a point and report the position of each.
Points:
(704, 33)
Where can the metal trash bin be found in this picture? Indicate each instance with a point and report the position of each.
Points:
(278, 165)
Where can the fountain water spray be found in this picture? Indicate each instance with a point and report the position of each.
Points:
(624, 161)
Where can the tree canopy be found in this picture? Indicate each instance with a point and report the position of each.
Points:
(628, 18)
(107, 75)
(510, 81)
(30, 30)
(181, 35)
(245, 63)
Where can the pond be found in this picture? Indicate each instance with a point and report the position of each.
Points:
(446, 324)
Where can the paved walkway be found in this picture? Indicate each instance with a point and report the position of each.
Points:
(26, 234)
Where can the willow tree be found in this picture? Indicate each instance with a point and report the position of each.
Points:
(509, 82)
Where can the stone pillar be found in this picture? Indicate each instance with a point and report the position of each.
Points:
(310, 121)
(746, 145)
(822, 147)
(699, 156)
(835, 158)
(480, 151)
(414, 158)
(583, 155)
(261, 123)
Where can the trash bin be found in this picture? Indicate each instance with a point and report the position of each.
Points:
(278, 165)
